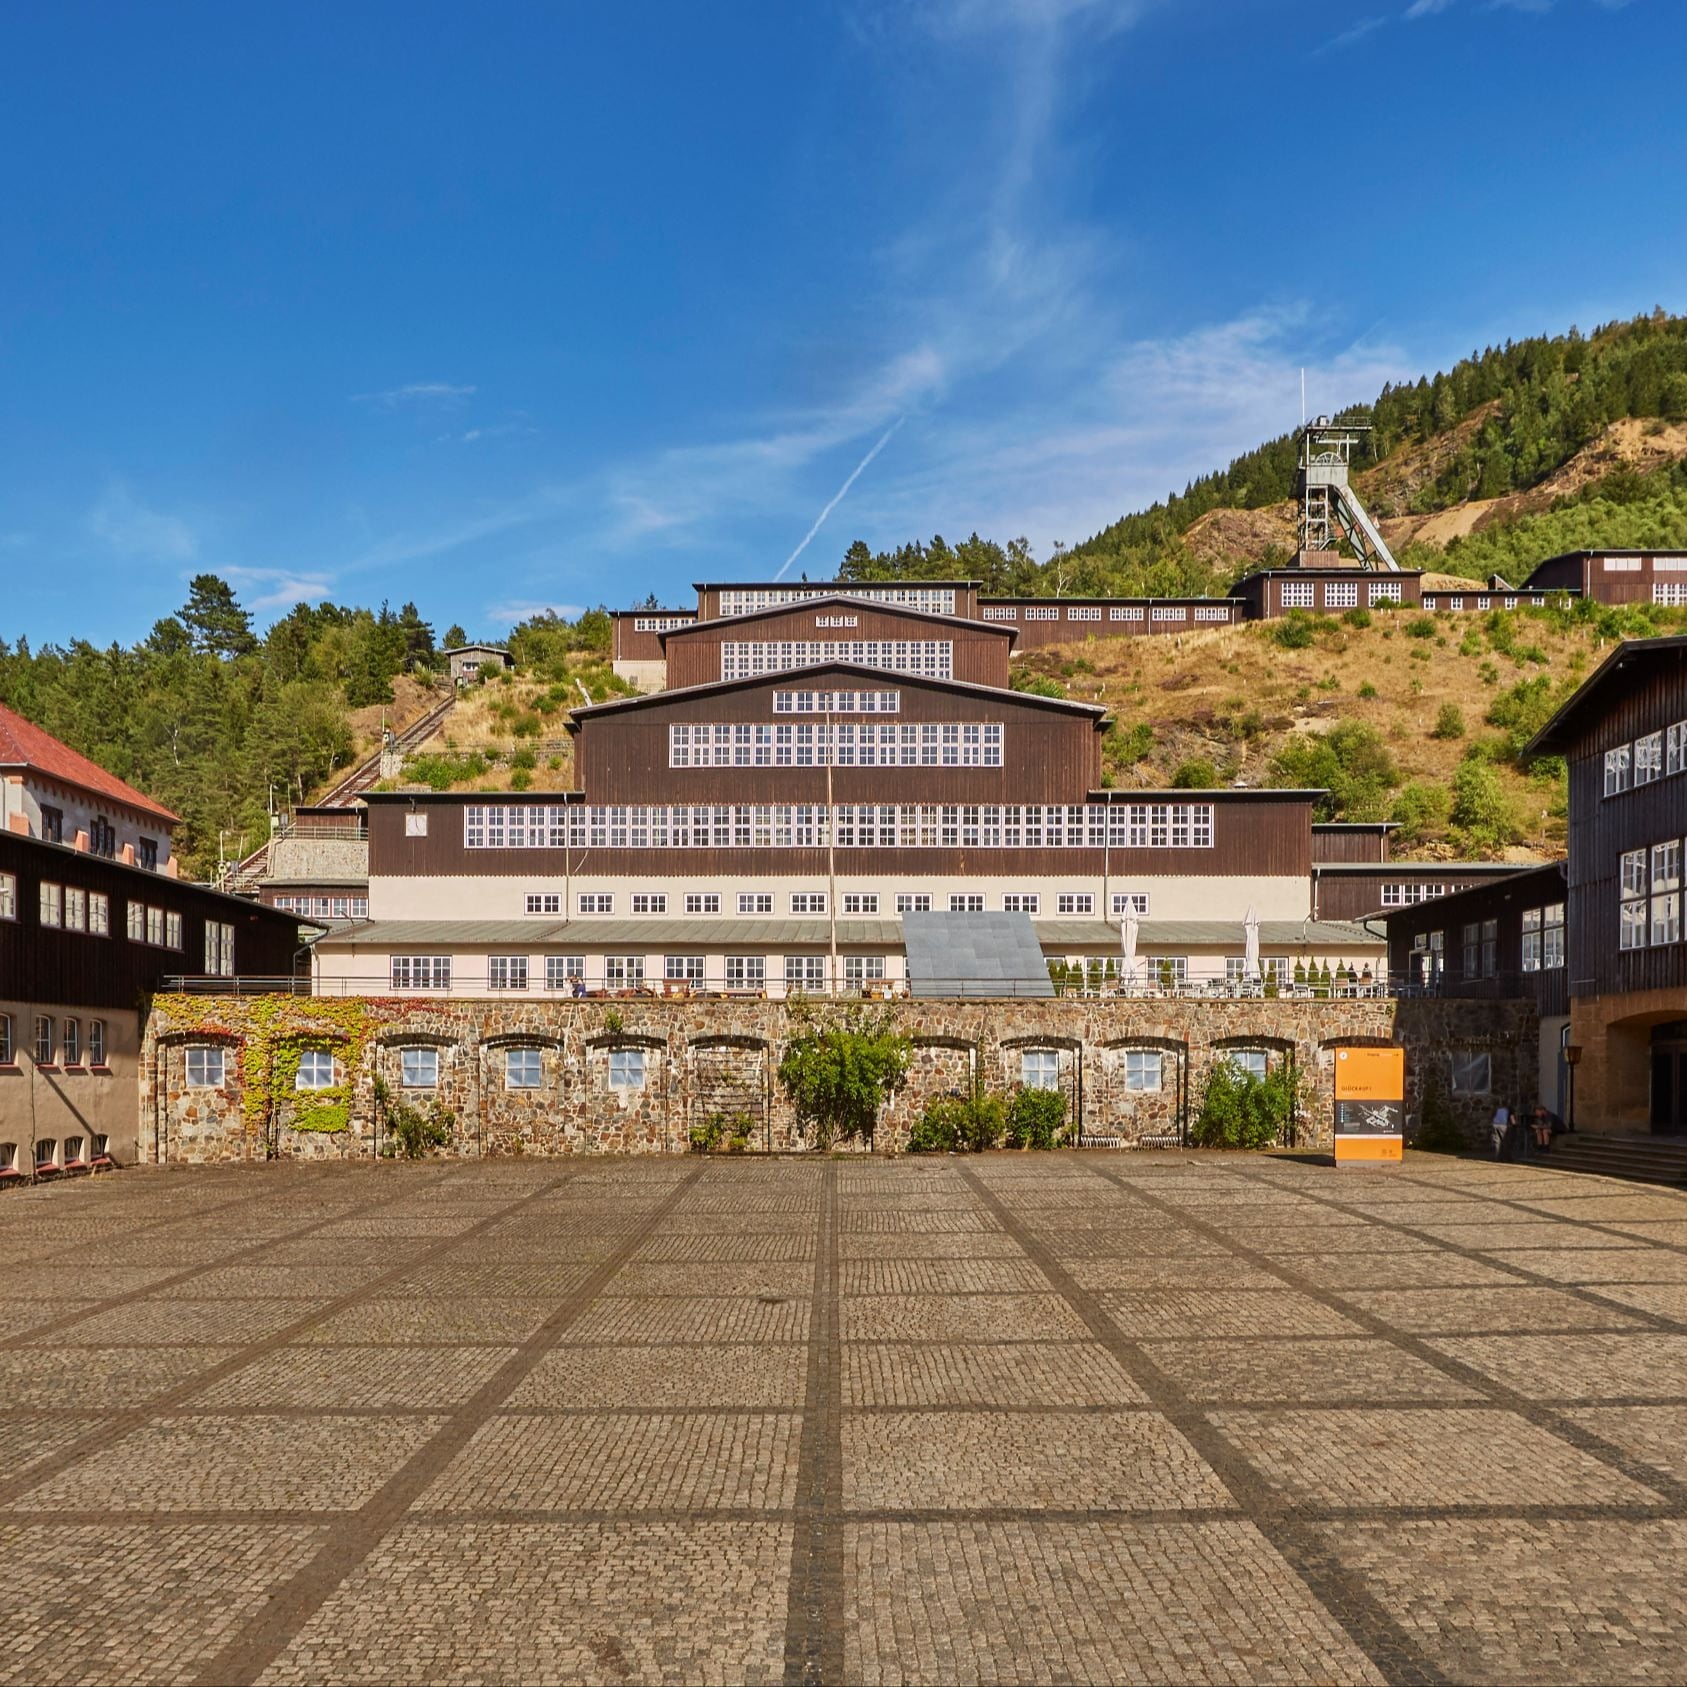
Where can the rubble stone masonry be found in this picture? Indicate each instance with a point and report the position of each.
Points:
(707, 1057)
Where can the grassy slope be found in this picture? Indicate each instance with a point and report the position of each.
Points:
(1235, 696)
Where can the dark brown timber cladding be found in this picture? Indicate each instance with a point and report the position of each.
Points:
(1350, 895)
(1504, 902)
(49, 964)
(1602, 828)
(1357, 843)
(1048, 755)
(1257, 838)
(1065, 630)
(966, 592)
(980, 647)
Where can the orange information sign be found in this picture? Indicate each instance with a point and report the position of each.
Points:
(1370, 1105)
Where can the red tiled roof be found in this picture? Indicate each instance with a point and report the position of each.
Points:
(25, 745)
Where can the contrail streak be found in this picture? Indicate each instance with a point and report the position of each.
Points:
(838, 498)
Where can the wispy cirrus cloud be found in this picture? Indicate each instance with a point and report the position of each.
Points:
(134, 529)
(509, 614)
(415, 393)
(278, 588)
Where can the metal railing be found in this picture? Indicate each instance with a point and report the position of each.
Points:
(204, 984)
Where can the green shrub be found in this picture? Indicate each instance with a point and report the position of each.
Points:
(1421, 626)
(959, 1125)
(1196, 774)
(1036, 1119)
(1421, 810)
(1357, 617)
(734, 1129)
(1449, 722)
(1481, 810)
(1294, 631)
(1239, 1110)
(1367, 691)
(839, 1075)
(412, 1131)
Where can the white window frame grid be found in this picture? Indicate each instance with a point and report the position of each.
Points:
(998, 612)
(966, 902)
(1341, 594)
(1083, 612)
(750, 658)
(1385, 591)
(931, 600)
(562, 971)
(805, 972)
(70, 1041)
(1144, 1071)
(702, 902)
(1039, 1069)
(1617, 767)
(1169, 612)
(1075, 903)
(50, 904)
(837, 702)
(1127, 612)
(1621, 564)
(746, 972)
(200, 1061)
(312, 1074)
(1041, 612)
(96, 1044)
(420, 972)
(1131, 901)
(506, 972)
(833, 743)
(524, 1067)
(415, 1060)
(8, 896)
(755, 903)
(1212, 612)
(1672, 594)
(623, 972)
(650, 902)
(913, 902)
(682, 969)
(1297, 594)
(1543, 938)
(594, 902)
(1648, 759)
(661, 623)
(544, 902)
(861, 970)
(860, 903)
(1021, 902)
(808, 902)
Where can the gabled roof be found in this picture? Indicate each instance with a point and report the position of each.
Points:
(841, 600)
(24, 745)
(806, 677)
(1617, 670)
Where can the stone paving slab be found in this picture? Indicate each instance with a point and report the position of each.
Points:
(1067, 1417)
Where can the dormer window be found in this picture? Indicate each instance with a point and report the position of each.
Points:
(52, 824)
(102, 837)
(148, 848)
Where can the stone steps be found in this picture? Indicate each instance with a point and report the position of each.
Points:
(1642, 1159)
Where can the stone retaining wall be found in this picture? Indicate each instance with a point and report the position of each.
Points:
(707, 1057)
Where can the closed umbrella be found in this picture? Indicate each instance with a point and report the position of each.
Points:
(1127, 947)
(1250, 944)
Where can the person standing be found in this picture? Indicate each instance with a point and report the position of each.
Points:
(1499, 1131)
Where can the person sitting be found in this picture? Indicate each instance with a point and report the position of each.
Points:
(1546, 1125)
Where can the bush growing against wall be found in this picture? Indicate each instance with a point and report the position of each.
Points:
(1239, 1110)
(840, 1075)
(959, 1125)
(1036, 1119)
(412, 1131)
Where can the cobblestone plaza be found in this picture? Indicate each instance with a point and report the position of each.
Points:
(1077, 1417)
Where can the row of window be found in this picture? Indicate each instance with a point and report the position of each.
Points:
(102, 837)
(1338, 594)
(1456, 600)
(928, 658)
(841, 744)
(853, 903)
(64, 907)
(1650, 908)
(73, 1153)
(1116, 612)
(620, 972)
(855, 826)
(661, 623)
(325, 907)
(1543, 938)
(1543, 948)
(1406, 895)
(1655, 755)
(58, 1042)
(837, 702)
(932, 599)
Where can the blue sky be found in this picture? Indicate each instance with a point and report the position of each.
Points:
(506, 306)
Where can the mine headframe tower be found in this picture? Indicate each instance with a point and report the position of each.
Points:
(1330, 511)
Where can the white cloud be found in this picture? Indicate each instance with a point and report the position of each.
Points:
(1426, 8)
(1354, 34)
(417, 392)
(508, 614)
(131, 529)
(278, 588)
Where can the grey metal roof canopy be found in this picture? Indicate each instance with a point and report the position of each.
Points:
(974, 955)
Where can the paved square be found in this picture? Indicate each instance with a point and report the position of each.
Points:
(1077, 1417)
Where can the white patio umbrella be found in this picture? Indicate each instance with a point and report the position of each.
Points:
(1250, 944)
(1127, 947)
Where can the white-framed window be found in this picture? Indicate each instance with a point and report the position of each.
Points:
(543, 902)
(650, 902)
(1169, 612)
(1454, 602)
(930, 658)
(913, 902)
(1083, 612)
(1144, 1069)
(99, 913)
(1251, 1061)
(860, 902)
(206, 1066)
(1212, 612)
(96, 1041)
(70, 1043)
(745, 600)
(1021, 902)
(1074, 902)
(172, 930)
(998, 612)
(595, 902)
(746, 972)
(506, 972)
(75, 908)
(561, 971)
(1384, 591)
(45, 1041)
(837, 702)
(1297, 594)
(8, 1052)
(805, 972)
(1543, 938)
(1634, 913)
(683, 969)
(8, 896)
(1675, 748)
(1039, 1069)
(219, 949)
(418, 1067)
(52, 904)
(808, 902)
(524, 1069)
(626, 1069)
(702, 902)
(966, 902)
(1616, 770)
(1622, 565)
(623, 972)
(1173, 969)
(1648, 758)
(1341, 594)
(1472, 1072)
(1666, 892)
(755, 902)
(1041, 613)
(421, 972)
(315, 1070)
(1131, 902)
(660, 623)
(863, 969)
(1126, 612)
(1671, 593)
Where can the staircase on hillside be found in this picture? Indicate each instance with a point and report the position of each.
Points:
(1644, 1159)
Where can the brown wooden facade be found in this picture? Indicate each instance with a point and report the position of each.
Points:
(1622, 576)
(1355, 841)
(710, 592)
(1263, 592)
(1072, 620)
(50, 964)
(632, 642)
(1352, 890)
(980, 648)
